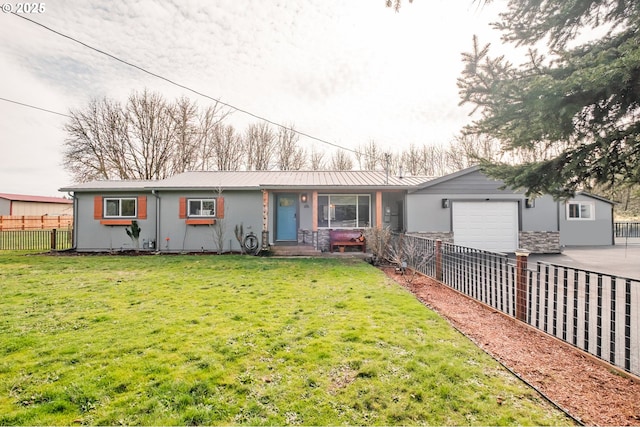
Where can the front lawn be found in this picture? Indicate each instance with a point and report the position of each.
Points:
(159, 340)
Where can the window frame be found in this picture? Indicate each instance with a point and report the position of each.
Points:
(106, 200)
(331, 212)
(581, 204)
(214, 200)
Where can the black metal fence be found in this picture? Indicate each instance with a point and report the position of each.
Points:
(36, 240)
(626, 229)
(596, 312)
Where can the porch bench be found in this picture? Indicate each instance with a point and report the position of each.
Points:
(346, 238)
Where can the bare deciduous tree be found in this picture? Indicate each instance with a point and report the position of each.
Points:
(147, 138)
(290, 155)
(428, 160)
(316, 160)
(370, 156)
(187, 135)
(151, 131)
(411, 161)
(210, 120)
(260, 143)
(466, 150)
(227, 148)
(94, 146)
(340, 161)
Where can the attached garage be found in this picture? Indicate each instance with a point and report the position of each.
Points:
(467, 208)
(487, 225)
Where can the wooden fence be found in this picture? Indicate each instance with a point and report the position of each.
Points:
(43, 222)
(596, 312)
(38, 240)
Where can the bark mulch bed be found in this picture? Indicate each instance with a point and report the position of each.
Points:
(588, 389)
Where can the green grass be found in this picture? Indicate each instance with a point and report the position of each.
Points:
(237, 340)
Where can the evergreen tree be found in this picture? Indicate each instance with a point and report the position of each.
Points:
(578, 109)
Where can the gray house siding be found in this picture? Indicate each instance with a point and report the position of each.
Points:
(587, 232)
(92, 235)
(172, 234)
(240, 207)
(425, 213)
(542, 216)
(473, 182)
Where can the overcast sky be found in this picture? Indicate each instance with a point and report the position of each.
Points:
(348, 72)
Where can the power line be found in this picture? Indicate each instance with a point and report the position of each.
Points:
(37, 108)
(139, 68)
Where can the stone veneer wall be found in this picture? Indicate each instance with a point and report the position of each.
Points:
(540, 242)
(323, 240)
(308, 238)
(446, 237)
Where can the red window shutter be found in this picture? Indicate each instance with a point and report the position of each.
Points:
(182, 209)
(142, 207)
(220, 207)
(97, 207)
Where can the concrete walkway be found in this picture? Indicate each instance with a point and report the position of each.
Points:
(619, 260)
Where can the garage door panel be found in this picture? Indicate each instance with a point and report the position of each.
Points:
(491, 226)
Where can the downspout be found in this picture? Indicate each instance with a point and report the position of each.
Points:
(74, 235)
(155, 194)
(613, 225)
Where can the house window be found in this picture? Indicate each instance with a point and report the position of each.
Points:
(120, 207)
(344, 210)
(202, 207)
(580, 211)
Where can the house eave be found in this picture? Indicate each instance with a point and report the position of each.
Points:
(341, 188)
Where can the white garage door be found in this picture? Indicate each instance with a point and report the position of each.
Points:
(492, 226)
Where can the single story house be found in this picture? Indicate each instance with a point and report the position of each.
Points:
(183, 212)
(25, 205)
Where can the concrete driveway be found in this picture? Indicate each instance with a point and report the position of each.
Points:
(621, 260)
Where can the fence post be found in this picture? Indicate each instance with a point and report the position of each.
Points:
(439, 260)
(521, 284)
(53, 239)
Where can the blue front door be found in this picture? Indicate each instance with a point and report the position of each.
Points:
(286, 221)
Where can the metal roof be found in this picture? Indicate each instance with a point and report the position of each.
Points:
(245, 180)
(287, 179)
(115, 185)
(38, 199)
